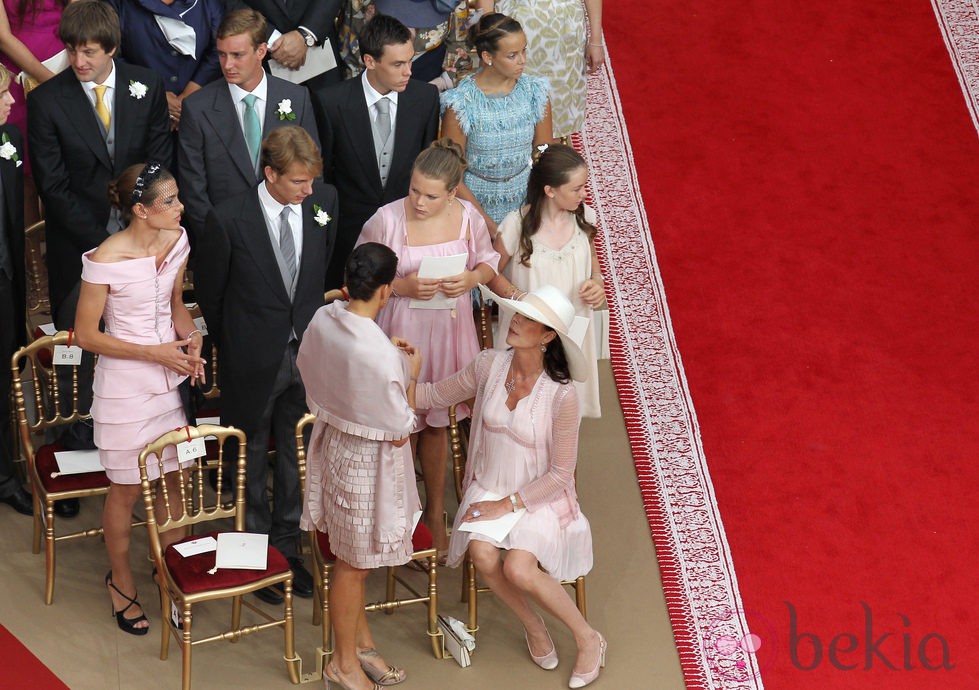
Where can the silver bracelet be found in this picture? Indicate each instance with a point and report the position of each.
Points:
(513, 502)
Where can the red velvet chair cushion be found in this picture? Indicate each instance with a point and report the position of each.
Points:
(191, 575)
(46, 464)
(420, 540)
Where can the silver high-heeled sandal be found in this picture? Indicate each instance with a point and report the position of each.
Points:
(580, 680)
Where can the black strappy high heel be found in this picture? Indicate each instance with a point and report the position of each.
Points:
(125, 624)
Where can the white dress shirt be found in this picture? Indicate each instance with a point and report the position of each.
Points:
(272, 210)
(109, 97)
(261, 94)
(372, 96)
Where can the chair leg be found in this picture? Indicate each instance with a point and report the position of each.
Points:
(471, 587)
(579, 596)
(235, 615)
(293, 662)
(317, 604)
(389, 590)
(327, 623)
(49, 553)
(186, 647)
(434, 634)
(36, 543)
(165, 609)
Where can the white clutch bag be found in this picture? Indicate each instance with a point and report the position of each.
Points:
(456, 640)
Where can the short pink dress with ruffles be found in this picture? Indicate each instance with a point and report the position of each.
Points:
(360, 487)
(446, 337)
(135, 402)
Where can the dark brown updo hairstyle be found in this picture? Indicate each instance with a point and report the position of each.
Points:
(139, 184)
(552, 168)
(368, 267)
(443, 160)
(485, 34)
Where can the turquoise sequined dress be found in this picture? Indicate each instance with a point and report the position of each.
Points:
(499, 139)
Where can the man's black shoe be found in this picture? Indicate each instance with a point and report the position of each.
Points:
(66, 508)
(270, 595)
(20, 501)
(302, 581)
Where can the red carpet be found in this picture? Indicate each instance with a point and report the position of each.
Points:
(21, 669)
(809, 171)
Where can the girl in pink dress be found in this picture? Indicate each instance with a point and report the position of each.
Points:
(360, 486)
(133, 281)
(432, 222)
(522, 454)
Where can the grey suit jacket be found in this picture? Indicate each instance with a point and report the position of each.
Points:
(214, 164)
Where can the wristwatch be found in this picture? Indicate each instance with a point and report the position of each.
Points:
(308, 38)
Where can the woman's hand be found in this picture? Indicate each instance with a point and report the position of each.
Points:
(174, 104)
(487, 510)
(592, 293)
(194, 350)
(594, 57)
(413, 354)
(418, 288)
(172, 356)
(455, 286)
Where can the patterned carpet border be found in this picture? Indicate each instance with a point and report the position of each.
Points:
(698, 574)
(959, 22)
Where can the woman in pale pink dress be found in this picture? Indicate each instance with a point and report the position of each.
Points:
(360, 486)
(522, 454)
(133, 281)
(432, 222)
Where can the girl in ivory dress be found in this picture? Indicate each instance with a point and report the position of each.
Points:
(551, 241)
(360, 489)
(433, 222)
(134, 282)
(523, 449)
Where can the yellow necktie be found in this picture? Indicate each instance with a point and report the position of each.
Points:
(100, 109)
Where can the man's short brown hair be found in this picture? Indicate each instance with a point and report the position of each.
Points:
(87, 21)
(244, 21)
(288, 145)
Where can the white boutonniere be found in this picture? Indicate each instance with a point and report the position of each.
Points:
(321, 216)
(285, 110)
(137, 89)
(8, 151)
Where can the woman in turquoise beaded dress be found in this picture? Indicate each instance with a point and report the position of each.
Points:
(497, 115)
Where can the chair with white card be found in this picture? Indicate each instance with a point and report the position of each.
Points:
(424, 557)
(55, 474)
(215, 563)
(458, 448)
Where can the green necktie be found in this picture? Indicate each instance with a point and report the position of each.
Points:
(253, 130)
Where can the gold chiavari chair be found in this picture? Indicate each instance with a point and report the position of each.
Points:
(459, 445)
(424, 551)
(187, 581)
(39, 409)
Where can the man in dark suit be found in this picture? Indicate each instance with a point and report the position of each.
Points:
(11, 287)
(223, 124)
(298, 25)
(369, 153)
(261, 267)
(88, 124)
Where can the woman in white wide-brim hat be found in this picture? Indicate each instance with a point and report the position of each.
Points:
(522, 454)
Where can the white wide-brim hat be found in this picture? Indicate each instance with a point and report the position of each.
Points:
(548, 306)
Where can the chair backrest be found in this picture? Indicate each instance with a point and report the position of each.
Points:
(196, 503)
(38, 401)
(36, 270)
(213, 387)
(301, 425)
